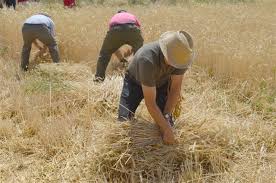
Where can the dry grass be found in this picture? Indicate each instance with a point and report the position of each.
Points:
(56, 125)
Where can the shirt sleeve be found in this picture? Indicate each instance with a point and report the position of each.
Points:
(179, 71)
(146, 72)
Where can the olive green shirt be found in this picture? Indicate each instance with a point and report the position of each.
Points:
(148, 66)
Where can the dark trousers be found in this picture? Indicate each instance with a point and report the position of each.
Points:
(132, 95)
(41, 32)
(116, 37)
(10, 3)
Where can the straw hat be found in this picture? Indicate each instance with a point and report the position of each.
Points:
(177, 47)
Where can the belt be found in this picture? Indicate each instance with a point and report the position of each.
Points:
(123, 25)
(35, 25)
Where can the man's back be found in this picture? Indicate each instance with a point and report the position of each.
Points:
(148, 66)
(41, 19)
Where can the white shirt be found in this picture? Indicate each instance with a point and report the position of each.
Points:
(42, 19)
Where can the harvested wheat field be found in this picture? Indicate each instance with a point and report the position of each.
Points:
(57, 125)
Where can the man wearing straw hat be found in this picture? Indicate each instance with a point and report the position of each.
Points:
(41, 27)
(156, 74)
(124, 28)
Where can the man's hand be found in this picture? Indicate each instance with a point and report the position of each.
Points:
(168, 136)
(150, 101)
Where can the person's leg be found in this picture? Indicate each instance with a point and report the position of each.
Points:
(8, 3)
(28, 38)
(54, 52)
(130, 99)
(73, 3)
(162, 96)
(1, 4)
(66, 3)
(135, 39)
(13, 3)
(111, 43)
(47, 38)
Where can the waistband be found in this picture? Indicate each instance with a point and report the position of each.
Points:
(26, 24)
(131, 78)
(123, 25)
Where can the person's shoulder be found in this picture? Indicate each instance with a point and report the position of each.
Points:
(149, 47)
(146, 54)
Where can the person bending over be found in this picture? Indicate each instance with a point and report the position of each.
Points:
(41, 27)
(124, 28)
(156, 74)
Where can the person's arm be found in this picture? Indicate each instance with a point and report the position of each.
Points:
(119, 54)
(44, 49)
(37, 45)
(156, 114)
(174, 93)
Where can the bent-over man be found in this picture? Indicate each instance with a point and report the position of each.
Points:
(156, 74)
(41, 27)
(124, 28)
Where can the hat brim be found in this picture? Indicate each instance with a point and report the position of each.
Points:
(171, 61)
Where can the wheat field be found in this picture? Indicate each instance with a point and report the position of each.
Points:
(57, 125)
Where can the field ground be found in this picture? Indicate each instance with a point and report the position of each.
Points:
(56, 125)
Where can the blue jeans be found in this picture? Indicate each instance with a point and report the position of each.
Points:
(132, 95)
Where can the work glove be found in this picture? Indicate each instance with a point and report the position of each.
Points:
(124, 62)
(169, 118)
